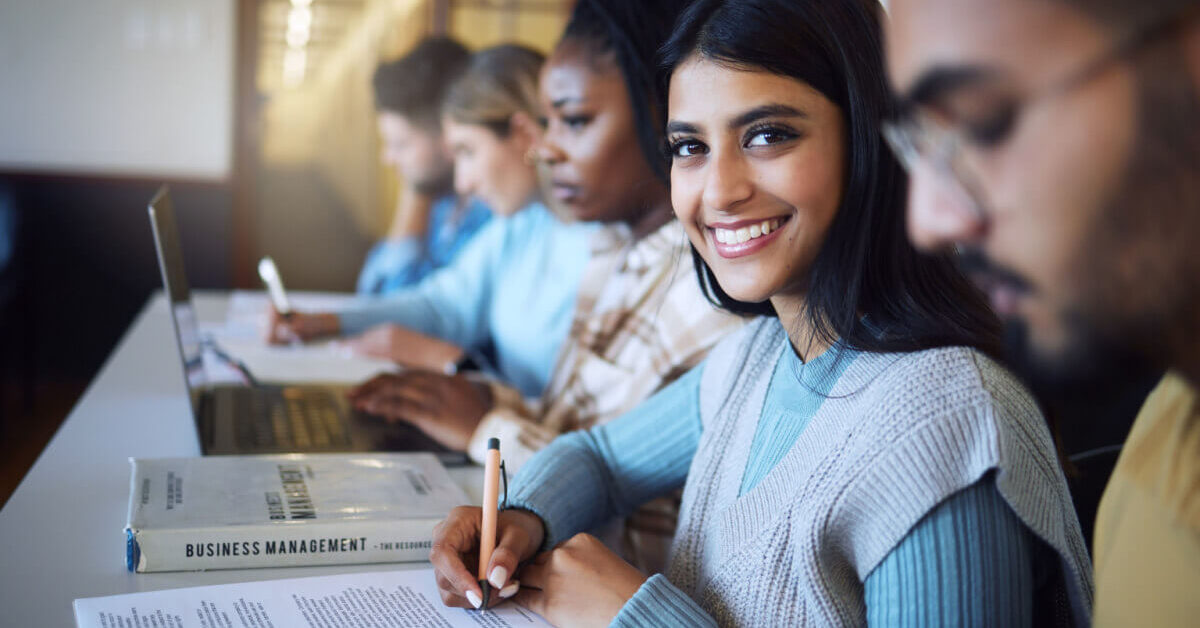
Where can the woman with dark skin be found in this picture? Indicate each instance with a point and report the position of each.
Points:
(597, 110)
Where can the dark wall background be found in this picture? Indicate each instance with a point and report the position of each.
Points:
(83, 266)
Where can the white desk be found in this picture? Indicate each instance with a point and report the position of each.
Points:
(61, 533)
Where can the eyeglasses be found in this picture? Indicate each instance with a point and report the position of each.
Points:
(917, 137)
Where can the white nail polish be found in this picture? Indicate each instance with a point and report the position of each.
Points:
(498, 577)
(510, 590)
(474, 599)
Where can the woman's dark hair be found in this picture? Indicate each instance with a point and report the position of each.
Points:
(632, 30)
(866, 266)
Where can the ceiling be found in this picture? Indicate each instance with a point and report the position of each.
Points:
(329, 22)
(322, 25)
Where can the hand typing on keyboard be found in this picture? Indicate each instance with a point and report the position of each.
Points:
(446, 407)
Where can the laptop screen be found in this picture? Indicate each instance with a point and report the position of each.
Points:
(183, 314)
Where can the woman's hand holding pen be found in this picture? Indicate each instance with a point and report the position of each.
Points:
(455, 554)
(579, 583)
(300, 326)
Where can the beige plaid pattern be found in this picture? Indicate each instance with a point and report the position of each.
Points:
(640, 322)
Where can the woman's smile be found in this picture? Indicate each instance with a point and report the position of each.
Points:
(745, 237)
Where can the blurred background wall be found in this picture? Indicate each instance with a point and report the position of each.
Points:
(259, 115)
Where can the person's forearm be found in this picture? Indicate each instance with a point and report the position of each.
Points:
(451, 304)
(567, 486)
(584, 478)
(399, 309)
(429, 307)
(412, 215)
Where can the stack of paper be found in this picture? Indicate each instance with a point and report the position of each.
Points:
(393, 598)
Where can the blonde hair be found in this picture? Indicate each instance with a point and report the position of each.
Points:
(497, 83)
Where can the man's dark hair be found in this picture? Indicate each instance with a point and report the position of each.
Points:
(415, 85)
(866, 268)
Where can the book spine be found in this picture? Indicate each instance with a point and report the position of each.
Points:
(289, 544)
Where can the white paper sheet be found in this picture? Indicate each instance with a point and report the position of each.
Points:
(242, 333)
(395, 599)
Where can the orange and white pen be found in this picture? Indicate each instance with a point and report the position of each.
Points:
(491, 510)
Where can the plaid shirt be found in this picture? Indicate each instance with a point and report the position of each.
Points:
(641, 321)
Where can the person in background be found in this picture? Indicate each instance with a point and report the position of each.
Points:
(640, 320)
(1057, 144)
(851, 457)
(511, 292)
(431, 224)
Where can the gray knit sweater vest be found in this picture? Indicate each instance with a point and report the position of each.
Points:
(898, 434)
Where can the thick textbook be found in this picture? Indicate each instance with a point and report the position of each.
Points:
(224, 512)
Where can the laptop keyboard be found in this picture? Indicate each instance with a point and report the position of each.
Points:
(292, 419)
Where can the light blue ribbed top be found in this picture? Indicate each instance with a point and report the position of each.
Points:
(510, 293)
(968, 562)
(796, 392)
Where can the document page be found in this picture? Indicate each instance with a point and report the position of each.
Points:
(391, 599)
(243, 333)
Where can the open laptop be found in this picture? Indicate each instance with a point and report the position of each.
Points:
(264, 418)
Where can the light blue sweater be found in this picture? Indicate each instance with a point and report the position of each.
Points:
(510, 293)
(393, 265)
(970, 561)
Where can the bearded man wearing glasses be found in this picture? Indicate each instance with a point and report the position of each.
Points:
(1056, 145)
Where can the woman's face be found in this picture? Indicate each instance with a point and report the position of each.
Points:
(596, 167)
(491, 168)
(757, 163)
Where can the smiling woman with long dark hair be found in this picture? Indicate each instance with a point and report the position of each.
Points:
(853, 456)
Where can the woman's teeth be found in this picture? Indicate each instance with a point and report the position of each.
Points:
(745, 234)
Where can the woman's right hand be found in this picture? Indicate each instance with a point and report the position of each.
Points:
(455, 554)
(299, 326)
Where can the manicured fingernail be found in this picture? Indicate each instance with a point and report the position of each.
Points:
(510, 590)
(499, 577)
(474, 599)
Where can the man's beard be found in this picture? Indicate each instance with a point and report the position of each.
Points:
(1088, 358)
(1138, 292)
(1088, 364)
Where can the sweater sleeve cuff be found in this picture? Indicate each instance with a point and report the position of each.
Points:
(519, 438)
(660, 603)
(510, 420)
(561, 487)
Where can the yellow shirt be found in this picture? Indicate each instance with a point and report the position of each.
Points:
(1147, 540)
